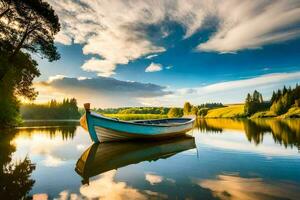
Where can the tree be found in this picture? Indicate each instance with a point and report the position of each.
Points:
(257, 97)
(187, 108)
(15, 176)
(175, 112)
(67, 109)
(203, 111)
(194, 110)
(9, 106)
(273, 98)
(277, 107)
(297, 103)
(248, 108)
(279, 94)
(285, 99)
(284, 90)
(34, 24)
(253, 103)
(24, 25)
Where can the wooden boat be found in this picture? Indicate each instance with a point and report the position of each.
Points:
(102, 157)
(105, 129)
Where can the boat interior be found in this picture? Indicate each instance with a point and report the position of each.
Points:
(163, 121)
(150, 121)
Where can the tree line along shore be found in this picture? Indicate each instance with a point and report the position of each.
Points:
(284, 103)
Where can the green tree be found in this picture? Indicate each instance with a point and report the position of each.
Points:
(273, 98)
(277, 107)
(194, 110)
(284, 90)
(32, 26)
(287, 101)
(175, 112)
(37, 24)
(203, 111)
(15, 176)
(253, 103)
(248, 108)
(297, 103)
(24, 25)
(187, 108)
(279, 94)
(283, 100)
(67, 109)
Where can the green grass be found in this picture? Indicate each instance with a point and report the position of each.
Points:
(232, 111)
(136, 116)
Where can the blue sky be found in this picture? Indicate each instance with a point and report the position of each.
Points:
(172, 50)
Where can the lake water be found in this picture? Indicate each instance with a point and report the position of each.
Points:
(225, 159)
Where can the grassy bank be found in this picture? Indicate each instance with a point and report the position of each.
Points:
(293, 112)
(237, 111)
(136, 116)
(231, 111)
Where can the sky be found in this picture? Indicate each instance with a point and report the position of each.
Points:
(117, 53)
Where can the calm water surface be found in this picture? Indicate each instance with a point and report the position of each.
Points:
(225, 159)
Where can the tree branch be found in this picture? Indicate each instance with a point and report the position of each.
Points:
(19, 46)
(4, 12)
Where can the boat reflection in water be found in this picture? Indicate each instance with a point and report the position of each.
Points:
(102, 157)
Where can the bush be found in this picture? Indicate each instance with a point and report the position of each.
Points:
(283, 104)
(194, 110)
(203, 111)
(9, 110)
(297, 103)
(187, 108)
(277, 107)
(175, 112)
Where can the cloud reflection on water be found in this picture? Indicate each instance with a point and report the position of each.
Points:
(235, 187)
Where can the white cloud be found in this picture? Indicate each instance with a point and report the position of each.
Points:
(56, 77)
(266, 69)
(106, 188)
(61, 148)
(252, 24)
(51, 161)
(250, 83)
(102, 67)
(237, 187)
(109, 29)
(110, 92)
(100, 91)
(40, 196)
(154, 67)
(63, 39)
(117, 30)
(153, 178)
(226, 92)
(151, 56)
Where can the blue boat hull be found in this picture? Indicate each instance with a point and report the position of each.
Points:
(103, 129)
